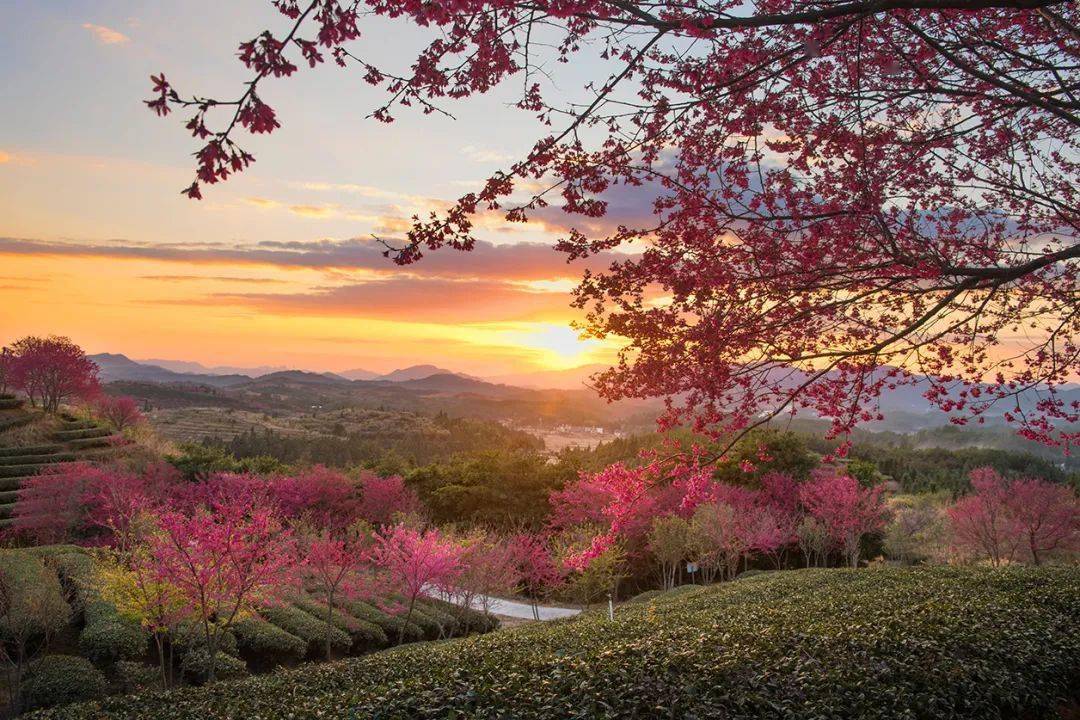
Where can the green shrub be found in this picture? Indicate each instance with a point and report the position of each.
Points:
(35, 604)
(365, 635)
(474, 620)
(447, 620)
(61, 679)
(266, 644)
(645, 596)
(308, 628)
(428, 625)
(390, 624)
(190, 636)
(922, 643)
(137, 676)
(195, 666)
(109, 636)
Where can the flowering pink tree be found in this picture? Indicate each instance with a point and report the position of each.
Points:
(225, 558)
(487, 569)
(416, 560)
(1046, 516)
(334, 565)
(817, 235)
(82, 502)
(536, 566)
(981, 522)
(51, 506)
(848, 510)
(324, 497)
(119, 411)
(382, 499)
(1001, 519)
(53, 370)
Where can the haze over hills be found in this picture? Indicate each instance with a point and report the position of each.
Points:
(551, 396)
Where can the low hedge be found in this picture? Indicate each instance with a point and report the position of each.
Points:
(137, 676)
(961, 643)
(108, 636)
(308, 628)
(61, 679)
(473, 620)
(264, 644)
(34, 603)
(365, 635)
(390, 624)
(195, 666)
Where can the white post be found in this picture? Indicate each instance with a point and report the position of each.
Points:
(610, 608)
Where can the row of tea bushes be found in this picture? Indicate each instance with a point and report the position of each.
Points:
(884, 643)
(51, 592)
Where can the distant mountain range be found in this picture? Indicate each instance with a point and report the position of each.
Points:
(905, 408)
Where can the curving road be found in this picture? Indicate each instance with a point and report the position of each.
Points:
(514, 609)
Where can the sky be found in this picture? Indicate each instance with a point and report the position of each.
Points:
(278, 266)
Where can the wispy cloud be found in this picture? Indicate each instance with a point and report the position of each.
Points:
(485, 155)
(106, 35)
(430, 300)
(518, 262)
(211, 278)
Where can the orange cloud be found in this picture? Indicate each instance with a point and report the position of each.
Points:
(106, 35)
(404, 299)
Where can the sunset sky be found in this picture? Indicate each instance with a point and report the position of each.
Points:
(277, 266)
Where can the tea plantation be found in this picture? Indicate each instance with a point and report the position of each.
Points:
(884, 643)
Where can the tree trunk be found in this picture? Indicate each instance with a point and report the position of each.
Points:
(408, 616)
(160, 643)
(329, 622)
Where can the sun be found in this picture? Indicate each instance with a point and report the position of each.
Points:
(559, 347)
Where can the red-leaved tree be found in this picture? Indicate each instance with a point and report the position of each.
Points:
(335, 568)
(52, 370)
(383, 499)
(536, 566)
(416, 561)
(225, 558)
(120, 411)
(1004, 521)
(847, 509)
(324, 497)
(845, 196)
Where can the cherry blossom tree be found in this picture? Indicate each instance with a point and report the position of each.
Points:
(52, 506)
(1047, 517)
(334, 564)
(52, 370)
(487, 569)
(415, 561)
(716, 543)
(325, 497)
(536, 566)
(845, 196)
(981, 521)
(384, 498)
(847, 510)
(119, 411)
(1001, 520)
(225, 558)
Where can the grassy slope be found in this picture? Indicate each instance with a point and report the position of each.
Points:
(935, 642)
